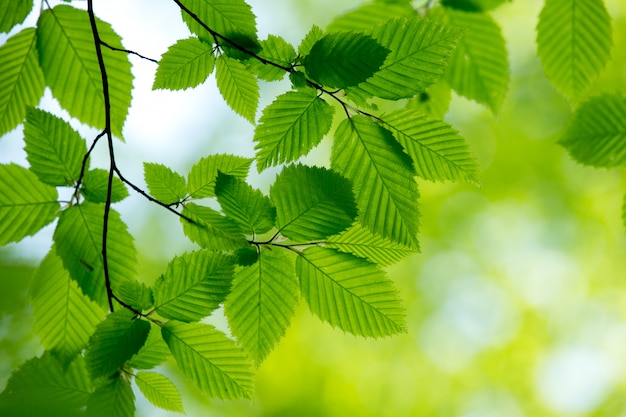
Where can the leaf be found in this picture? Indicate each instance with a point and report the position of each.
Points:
(244, 204)
(382, 177)
(277, 50)
(574, 40)
(70, 65)
(154, 352)
(479, 68)
(360, 241)
(136, 294)
(53, 148)
(312, 203)
(231, 18)
(201, 178)
(24, 213)
(597, 134)
(78, 239)
(624, 212)
(349, 292)
(210, 229)
(12, 13)
(314, 35)
(434, 101)
(438, 151)
(291, 126)
(262, 303)
(420, 49)
(164, 184)
(473, 5)
(95, 184)
(185, 64)
(159, 390)
(210, 359)
(194, 285)
(114, 342)
(113, 399)
(344, 59)
(64, 318)
(21, 79)
(238, 87)
(368, 16)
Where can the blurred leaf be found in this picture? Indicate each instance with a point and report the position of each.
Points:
(164, 184)
(473, 5)
(16, 279)
(210, 229)
(231, 18)
(367, 16)
(238, 86)
(274, 49)
(95, 184)
(185, 64)
(154, 352)
(13, 12)
(159, 390)
(434, 101)
(201, 178)
(113, 399)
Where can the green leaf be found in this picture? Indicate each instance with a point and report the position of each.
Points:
(53, 148)
(159, 390)
(13, 12)
(24, 213)
(291, 126)
(434, 101)
(438, 151)
(344, 59)
(382, 176)
(624, 211)
(312, 203)
(350, 293)
(479, 68)
(360, 241)
(164, 184)
(78, 239)
(368, 16)
(64, 317)
(238, 86)
(68, 58)
(473, 5)
(597, 134)
(210, 359)
(95, 183)
(194, 285)
(314, 35)
(114, 342)
(262, 303)
(574, 40)
(420, 49)
(154, 352)
(210, 229)
(244, 204)
(136, 294)
(274, 49)
(201, 178)
(21, 79)
(231, 18)
(113, 399)
(185, 64)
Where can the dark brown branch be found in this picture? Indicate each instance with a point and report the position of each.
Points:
(113, 48)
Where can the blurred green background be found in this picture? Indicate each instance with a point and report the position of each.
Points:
(516, 305)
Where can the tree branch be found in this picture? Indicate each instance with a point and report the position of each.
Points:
(113, 48)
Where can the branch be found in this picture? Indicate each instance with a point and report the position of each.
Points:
(113, 48)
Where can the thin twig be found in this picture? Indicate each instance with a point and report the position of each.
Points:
(113, 48)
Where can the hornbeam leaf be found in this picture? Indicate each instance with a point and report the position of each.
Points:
(136, 294)
(114, 342)
(439, 153)
(164, 184)
(473, 5)
(159, 390)
(194, 285)
(262, 303)
(95, 184)
(382, 176)
(154, 352)
(314, 35)
(201, 178)
(210, 229)
(21, 79)
(349, 292)
(312, 203)
(597, 134)
(70, 65)
(64, 317)
(24, 213)
(185, 64)
(238, 86)
(368, 16)
(574, 42)
(113, 399)
(12, 13)
(53, 148)
(210, 359)
(231, 18)
(274, 49)
(291, 126)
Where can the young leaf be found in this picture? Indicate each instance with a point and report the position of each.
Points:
(154, 352)
(201, 178)
(113, 399)
(274, 49)
(164, 184)
(438, 151)
(159, 390)
(136, 294)
(597, 134)
(95, 183)
(194, 285)
(210, 359)
(262, 303)
(210, 229)
(12, 13)
(53, 148)
(310, 39)
(21, 79)
(312, 203)
(344, 59)
(238, 86)
(24, 213)
(70, 65)
(185, 64)
(64, 318)
(245, 205)
(382, 175)
(574, 42)
(291, 126)
(349, 292)
(368, 16)
(231, 18)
